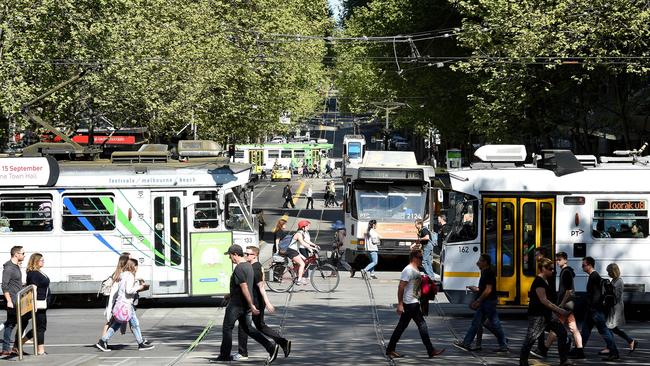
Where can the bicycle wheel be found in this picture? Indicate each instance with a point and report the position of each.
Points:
(279, 277)
(325, 278)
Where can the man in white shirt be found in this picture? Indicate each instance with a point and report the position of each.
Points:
(408, 307)
(310, 197)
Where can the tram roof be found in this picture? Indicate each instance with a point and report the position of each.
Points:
(619, 178)
(290, 145)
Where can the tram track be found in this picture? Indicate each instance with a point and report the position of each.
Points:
(379, 330)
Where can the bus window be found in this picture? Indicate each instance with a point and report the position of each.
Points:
(620, 219)
(206, 214)
(23, 213)
(235, 218)
(285, 154)
(274, 154)
(88, 213)
(461, 217)
(354, 150)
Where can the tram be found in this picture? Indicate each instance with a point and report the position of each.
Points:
(577, 205)
(177, 218)
(264, 157)
(390, 187)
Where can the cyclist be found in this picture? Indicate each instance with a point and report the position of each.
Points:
(301, 240)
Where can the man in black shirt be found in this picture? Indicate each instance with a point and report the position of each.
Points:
(540, 314)
(288, 197)
(262, 302)
(241, 302)
(596, 311)
(485, 306)
(12, 283)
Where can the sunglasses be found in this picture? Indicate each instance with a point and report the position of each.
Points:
(247, 254)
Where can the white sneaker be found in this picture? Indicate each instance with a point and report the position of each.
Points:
(238, 357)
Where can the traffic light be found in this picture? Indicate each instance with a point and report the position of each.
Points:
(231, 150)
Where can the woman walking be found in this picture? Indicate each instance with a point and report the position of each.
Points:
(372, 242)
(36, 277)
(114, 284)
(616, 316)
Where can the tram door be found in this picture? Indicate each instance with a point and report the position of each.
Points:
(256, 158)
(169, 243)
(512, 229)
(315, 157)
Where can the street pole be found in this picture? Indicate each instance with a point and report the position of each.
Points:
(388, 107)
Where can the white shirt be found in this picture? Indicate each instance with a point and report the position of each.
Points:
(412, 289)
(296, 244)
(372, 241)
(310, 192)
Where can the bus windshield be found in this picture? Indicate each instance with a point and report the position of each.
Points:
(390, 203)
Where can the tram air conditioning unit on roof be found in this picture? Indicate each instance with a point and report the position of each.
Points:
(501, 153)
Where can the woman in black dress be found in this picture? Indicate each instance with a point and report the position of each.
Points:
(36, 277)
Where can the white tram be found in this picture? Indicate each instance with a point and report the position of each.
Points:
(176, 218)
(390, 187)
(506, 209)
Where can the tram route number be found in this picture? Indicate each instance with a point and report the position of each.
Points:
(463, 250)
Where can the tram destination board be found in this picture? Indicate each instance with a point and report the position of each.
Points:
(621, 205)
(404, 174)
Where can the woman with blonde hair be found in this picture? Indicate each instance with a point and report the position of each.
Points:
(616, 316)
(115, 277)
(36, 277)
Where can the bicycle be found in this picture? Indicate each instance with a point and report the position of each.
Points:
(282, 276)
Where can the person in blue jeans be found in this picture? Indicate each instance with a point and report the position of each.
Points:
(595, 311)
(485, 306)
(372, 246)
(426, 241)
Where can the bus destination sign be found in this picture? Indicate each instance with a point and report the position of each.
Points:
(621, 205)
(17, 172)
(391, 174)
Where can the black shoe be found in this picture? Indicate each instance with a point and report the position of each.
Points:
(287, 349)
(502, 350)
(146, 341)
(462, 346)
(352, 272)
(273, 355)
(103, 346)
(611, 357)
(221, 359)
(145, 347)
(476, 349)
(634, 346)
(539, 353)
(577, 354)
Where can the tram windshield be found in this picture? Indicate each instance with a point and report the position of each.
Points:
(405, 203)
(462, 210)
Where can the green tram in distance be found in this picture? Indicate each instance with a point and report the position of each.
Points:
(295, 155)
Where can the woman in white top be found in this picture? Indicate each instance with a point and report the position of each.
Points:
(301, 240)
(372, 242)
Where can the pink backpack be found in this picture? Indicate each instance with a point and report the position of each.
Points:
(122, 312)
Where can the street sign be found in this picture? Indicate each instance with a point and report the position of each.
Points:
(26, 302)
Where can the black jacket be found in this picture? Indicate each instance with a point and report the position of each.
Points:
(42, 283)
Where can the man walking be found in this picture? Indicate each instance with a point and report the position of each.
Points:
(261, 301)
(424, 236)
(241, 302)
(596, 310)
(12, 283)
(288, 197)
(485, 306)
(408, 307)
(310, 197)
(540, 309)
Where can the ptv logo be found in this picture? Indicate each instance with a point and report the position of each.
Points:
(577, 232)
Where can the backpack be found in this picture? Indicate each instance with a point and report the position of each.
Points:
(428, 288)
(105, 287)
(285, 243)
(607, 294)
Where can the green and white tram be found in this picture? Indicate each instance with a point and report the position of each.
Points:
(506, 208)
(263, 157)
(176, 218)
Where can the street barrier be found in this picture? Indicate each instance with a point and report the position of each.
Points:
(26, 303)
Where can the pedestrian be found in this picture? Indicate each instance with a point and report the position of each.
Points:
(372, 246)
(12, 283)
(279, 232)
(262, 302)
(332, 193)
(261, 224)
(540, 309)
(596, 311)
(288, 197)
(328, 168)
(485, 306)
(305, 170)
(408, 307)
(36, 277)
(310, 197)
(443, 229)
(566, 300)
(113, 284)
(338, 251)
(299, 247)
(240, 307)
(541, 350)
(127, 291)
(616, 315)
(426, 242)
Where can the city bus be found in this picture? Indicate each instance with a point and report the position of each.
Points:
(506, 208)
(176, 218)
(264, 157)
(390, 187)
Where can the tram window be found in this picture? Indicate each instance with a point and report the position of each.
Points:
(22, 213)
(299, 153)
(274, 154)
(546, 226)
(239, 154)
(461, 217)
(285, 154)
(621, 222)
(206, 214)
(405, 203)
(88, 213)
(491, 231)
(528, 232)
(507, 239)
(354, 150)
(235, 219)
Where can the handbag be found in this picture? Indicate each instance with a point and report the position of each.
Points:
(41, 304)
(122, 312)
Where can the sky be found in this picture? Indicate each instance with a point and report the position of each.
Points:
(335, 5)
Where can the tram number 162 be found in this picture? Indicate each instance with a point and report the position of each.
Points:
(463, 249)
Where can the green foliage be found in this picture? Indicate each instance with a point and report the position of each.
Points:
(158, 63)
